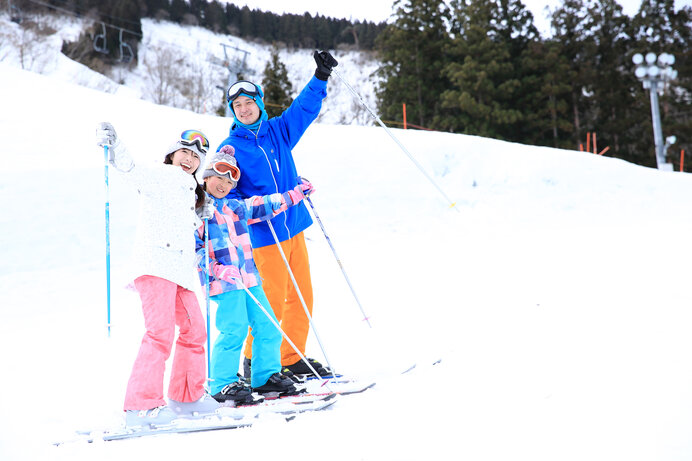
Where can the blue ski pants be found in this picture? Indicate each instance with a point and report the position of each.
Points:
(235, 311)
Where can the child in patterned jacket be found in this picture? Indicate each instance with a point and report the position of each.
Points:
(230, 263)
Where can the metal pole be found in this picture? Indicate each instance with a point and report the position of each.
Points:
(300, 295)
(377, 119)
(108, 241)
(656, 118)
(343, 271)
(239, 282)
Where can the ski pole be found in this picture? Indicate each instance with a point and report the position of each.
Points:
(108, 242)
(283, 333)
(206, 290)
(300, 295)
(389, 132)
(343, 271)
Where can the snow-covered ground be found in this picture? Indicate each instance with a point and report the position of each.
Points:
(555, 293)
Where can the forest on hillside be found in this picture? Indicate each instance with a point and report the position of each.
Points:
(480, 67)
(476, 67)
(300, 31)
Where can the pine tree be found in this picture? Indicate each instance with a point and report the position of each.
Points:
(481, 72)
(516, 30)
(178, 10)
(411, 52)
(610, 94)
(215, 19)
(245, 22)
(276, 85)
(548, 117)
(571, 33)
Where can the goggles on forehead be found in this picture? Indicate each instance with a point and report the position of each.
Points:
(190, 137)
(243, 86)
(222, 168)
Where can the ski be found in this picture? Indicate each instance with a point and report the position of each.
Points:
(346, 387)
(180, 428)
(311, 377)
(226, 417)
(216, 423)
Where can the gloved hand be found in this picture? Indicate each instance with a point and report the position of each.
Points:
(117, 153)
(206, 211)
(229, 274)
(325, 63)
(106, 135)
(305, 186)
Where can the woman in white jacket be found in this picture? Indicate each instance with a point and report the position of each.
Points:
(164, 262)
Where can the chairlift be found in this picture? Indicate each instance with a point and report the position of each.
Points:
(126, 53)
(15, 13)
(100, 41)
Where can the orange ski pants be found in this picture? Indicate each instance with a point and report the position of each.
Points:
(283, 296)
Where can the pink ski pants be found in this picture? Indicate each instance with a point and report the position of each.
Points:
(165, 305)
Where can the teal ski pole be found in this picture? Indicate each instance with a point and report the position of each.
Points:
(206, 290)
(108, 243)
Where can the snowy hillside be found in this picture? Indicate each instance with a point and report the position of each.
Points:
(555, 293)
(169, 50)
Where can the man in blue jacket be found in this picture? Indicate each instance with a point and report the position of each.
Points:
(263, 149)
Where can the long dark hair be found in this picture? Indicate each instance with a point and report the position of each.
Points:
(199, 192)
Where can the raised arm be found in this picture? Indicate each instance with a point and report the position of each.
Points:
(263, 208)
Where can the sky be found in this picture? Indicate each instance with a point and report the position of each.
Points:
(380, 10)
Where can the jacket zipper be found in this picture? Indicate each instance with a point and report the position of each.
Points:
(288, 231)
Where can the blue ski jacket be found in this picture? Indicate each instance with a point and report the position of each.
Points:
(266, 162)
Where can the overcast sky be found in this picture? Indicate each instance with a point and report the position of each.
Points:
(380, 10)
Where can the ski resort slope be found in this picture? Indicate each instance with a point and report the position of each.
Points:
(553, 297)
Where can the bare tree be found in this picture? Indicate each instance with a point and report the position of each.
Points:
(163, 66)
(29, 47)
(4, 44)
(199, 87)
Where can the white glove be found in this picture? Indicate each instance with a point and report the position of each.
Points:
(206, 211)
(117, 153)
(106, 135)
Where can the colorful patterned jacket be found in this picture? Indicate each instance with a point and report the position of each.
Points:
(229, 241)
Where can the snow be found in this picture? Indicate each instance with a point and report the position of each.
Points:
(553, 294)
(168, 51)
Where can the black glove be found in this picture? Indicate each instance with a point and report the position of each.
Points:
(325, 63)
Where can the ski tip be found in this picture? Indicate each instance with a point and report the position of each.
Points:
(408, 369)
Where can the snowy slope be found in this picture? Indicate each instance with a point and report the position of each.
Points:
(167, 50)
(555, 293)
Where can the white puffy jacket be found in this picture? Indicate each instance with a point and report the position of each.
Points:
(165, 241)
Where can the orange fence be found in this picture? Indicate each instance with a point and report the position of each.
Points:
(595, 147)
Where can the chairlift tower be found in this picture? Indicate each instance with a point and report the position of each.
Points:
(235, 67)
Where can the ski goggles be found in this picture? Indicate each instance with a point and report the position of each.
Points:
(222, 168)
(190, 137)
(243, 86)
